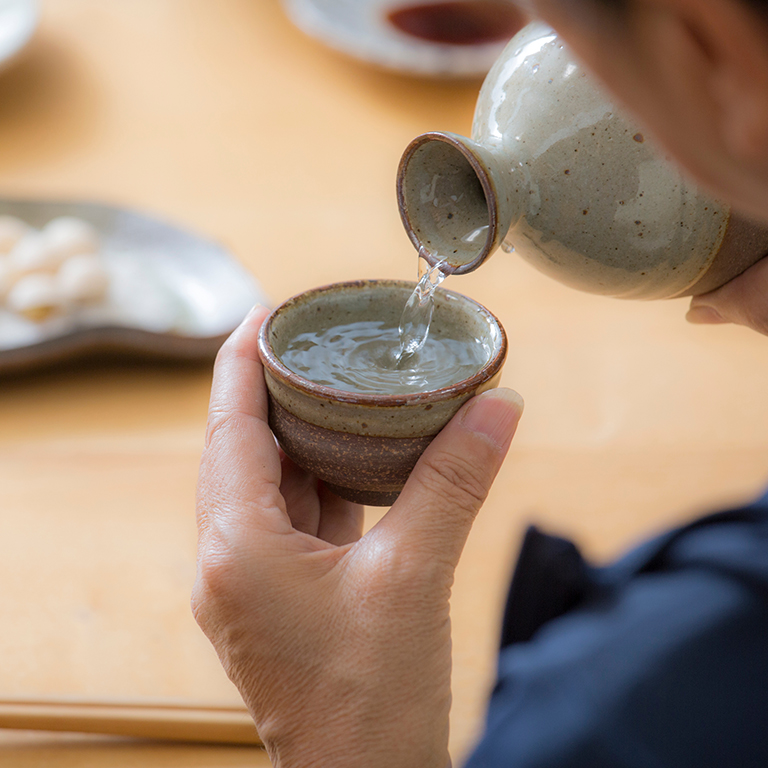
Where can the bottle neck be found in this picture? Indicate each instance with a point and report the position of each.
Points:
(455, 200)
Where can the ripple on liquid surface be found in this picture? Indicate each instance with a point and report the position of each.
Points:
(363, 357)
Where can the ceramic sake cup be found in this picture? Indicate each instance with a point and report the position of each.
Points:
(363, 446)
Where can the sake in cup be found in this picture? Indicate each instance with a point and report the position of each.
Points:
(364, 444)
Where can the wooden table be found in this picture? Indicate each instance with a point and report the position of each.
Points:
(223, 117)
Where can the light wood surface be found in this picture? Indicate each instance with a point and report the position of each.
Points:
(219, 115)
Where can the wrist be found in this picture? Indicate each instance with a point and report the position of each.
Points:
(375, 748)
(348, 754)
(351, 758)
(360, 724)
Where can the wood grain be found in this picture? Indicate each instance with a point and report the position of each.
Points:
(221, 116)
(144, 720)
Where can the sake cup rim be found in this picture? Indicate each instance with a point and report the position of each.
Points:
(282, 373)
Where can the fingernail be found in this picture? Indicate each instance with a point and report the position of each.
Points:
(703, 315)
(254, 309)
(495, 414)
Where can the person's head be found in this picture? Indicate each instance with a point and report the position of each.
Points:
(694, 71)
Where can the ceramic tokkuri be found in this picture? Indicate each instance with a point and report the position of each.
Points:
(559, 174)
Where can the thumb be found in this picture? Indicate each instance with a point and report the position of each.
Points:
(436, 509)
(743, 300)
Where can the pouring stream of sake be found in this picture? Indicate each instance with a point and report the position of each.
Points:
(417, 315)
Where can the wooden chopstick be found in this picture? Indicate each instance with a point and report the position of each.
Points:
(149, 720)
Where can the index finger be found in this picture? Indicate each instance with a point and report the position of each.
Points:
(238, 380)
(240, 468)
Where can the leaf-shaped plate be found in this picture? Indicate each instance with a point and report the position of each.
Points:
(171, 293)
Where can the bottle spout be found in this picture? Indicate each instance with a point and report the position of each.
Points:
(452, 200)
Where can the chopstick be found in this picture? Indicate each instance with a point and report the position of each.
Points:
(149, 720)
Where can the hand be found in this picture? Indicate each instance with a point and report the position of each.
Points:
(339, 643)
(743, 300)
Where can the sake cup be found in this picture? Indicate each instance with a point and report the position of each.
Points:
(363, 446)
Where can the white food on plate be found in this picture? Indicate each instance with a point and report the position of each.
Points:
(32, 254)
(67, 236)
(83, 278)
(35, 296)
(60, 239)
(12, 230)
(7, 276)
(52, 271)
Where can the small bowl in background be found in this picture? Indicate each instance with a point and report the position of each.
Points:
(431, 38)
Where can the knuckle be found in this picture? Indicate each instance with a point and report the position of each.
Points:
(214, 586)
(221, 421)
(200, 604)
(455, 478)
(756, 315)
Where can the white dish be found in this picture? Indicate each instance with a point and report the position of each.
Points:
(18, 20)
(360, 28)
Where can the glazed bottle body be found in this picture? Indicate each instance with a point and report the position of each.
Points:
(573, 184)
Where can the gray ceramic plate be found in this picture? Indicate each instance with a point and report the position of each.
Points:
(172, 293)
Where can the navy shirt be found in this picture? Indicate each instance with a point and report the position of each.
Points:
(659, 660)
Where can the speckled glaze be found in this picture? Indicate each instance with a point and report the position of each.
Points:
(364, 445)
(569, 181)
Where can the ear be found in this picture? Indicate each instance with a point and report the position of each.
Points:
(733, 39)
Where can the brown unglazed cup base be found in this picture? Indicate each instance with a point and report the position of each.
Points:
(368, 498)
(381, 466)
